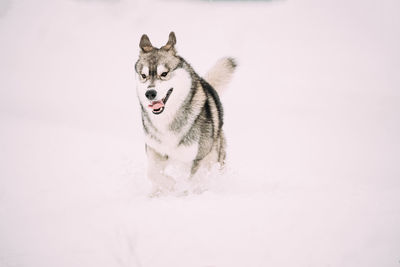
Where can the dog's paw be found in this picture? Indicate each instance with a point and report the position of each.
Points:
(155, 192)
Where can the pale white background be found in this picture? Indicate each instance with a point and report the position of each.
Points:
(312, 120)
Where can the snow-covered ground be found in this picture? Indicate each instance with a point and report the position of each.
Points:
(312, 121)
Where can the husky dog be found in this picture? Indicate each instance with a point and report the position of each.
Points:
(181, 113)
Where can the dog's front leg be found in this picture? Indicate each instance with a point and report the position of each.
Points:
(156, 164)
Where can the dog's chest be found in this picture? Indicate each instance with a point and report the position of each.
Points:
(167, 144)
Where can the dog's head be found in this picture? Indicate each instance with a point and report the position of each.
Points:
(161, 81)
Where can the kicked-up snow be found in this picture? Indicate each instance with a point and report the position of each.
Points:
(312, 119)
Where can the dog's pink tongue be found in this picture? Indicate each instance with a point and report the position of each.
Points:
(156, 105)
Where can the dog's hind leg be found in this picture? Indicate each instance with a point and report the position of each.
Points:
(204, 170)
(221, 149)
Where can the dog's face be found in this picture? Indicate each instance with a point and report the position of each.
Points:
(162, 83)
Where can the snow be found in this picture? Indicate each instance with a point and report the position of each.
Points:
(312, 119)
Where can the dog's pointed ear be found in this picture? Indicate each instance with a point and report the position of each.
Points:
(145, 44)
(171, 42)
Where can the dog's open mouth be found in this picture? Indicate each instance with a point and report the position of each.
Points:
(159, 106)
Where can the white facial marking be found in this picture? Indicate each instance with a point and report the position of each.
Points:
(145, 70)
(161, 69)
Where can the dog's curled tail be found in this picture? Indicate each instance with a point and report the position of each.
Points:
(221, 73)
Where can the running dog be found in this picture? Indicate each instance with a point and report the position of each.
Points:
(182, 115)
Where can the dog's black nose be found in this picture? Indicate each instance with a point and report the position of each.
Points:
(151, 94)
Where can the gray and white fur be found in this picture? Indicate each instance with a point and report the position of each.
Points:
(182, 115)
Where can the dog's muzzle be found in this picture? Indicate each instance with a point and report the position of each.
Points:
(158, 106)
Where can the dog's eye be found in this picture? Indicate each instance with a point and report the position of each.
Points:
(164, 74)
(144, 76)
